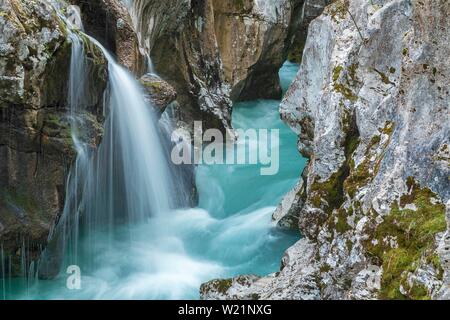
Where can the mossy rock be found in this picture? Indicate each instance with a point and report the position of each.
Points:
(344, 80)
(414, 232)
(160, 92)
(364, 173)
(295, 54)
(338, 10)
(332, 189)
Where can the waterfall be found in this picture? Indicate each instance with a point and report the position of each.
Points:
(126, 181)
(149, 64)
(135, 153)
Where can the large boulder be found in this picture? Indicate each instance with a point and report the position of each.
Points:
(36, 148)
(158, 92)
(371, 108)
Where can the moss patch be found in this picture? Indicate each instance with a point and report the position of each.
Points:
(367, 170)
(56, 125)
(384, 78)
(239, 4)
(414, 233)
(337, 72)
(343, 80)
(221, 285)
(93, 52)
(341, 224)
(296, 53)
(338, 10)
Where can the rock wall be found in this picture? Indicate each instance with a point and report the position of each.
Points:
(109, 22)
(214, 52)
(36, 148)
(371, 108)
(252, 40)
(179, 35)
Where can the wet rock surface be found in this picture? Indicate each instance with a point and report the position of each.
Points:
(179, 35)
(36, 148)
(158, 92)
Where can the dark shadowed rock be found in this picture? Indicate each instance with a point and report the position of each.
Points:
(108, 21)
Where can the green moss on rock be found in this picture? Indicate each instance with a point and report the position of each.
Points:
(343, 81)
(92, 50)
(338, 10)
(418, 292)
(341, 224)
(413, 232)
(367, 170)
(337, 72)
(384, 78)
(221, 285)
(296, 53)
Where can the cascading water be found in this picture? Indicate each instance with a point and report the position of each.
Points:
(120, 225)
(128, 179)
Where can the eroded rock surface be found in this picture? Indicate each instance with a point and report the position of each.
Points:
(286, 214)
(36, 148)
(214, 52)
(371, 108)
(252, 40)
(179, 35)
(296, 280)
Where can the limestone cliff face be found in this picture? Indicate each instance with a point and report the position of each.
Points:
(214, 52)
(372, 112)
(36, 148)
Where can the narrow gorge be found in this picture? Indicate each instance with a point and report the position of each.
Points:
(323, 173)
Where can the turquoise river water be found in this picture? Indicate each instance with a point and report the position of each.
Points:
(230, 233)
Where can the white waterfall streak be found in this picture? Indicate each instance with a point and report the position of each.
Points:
(126, 181)
(146, 176)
